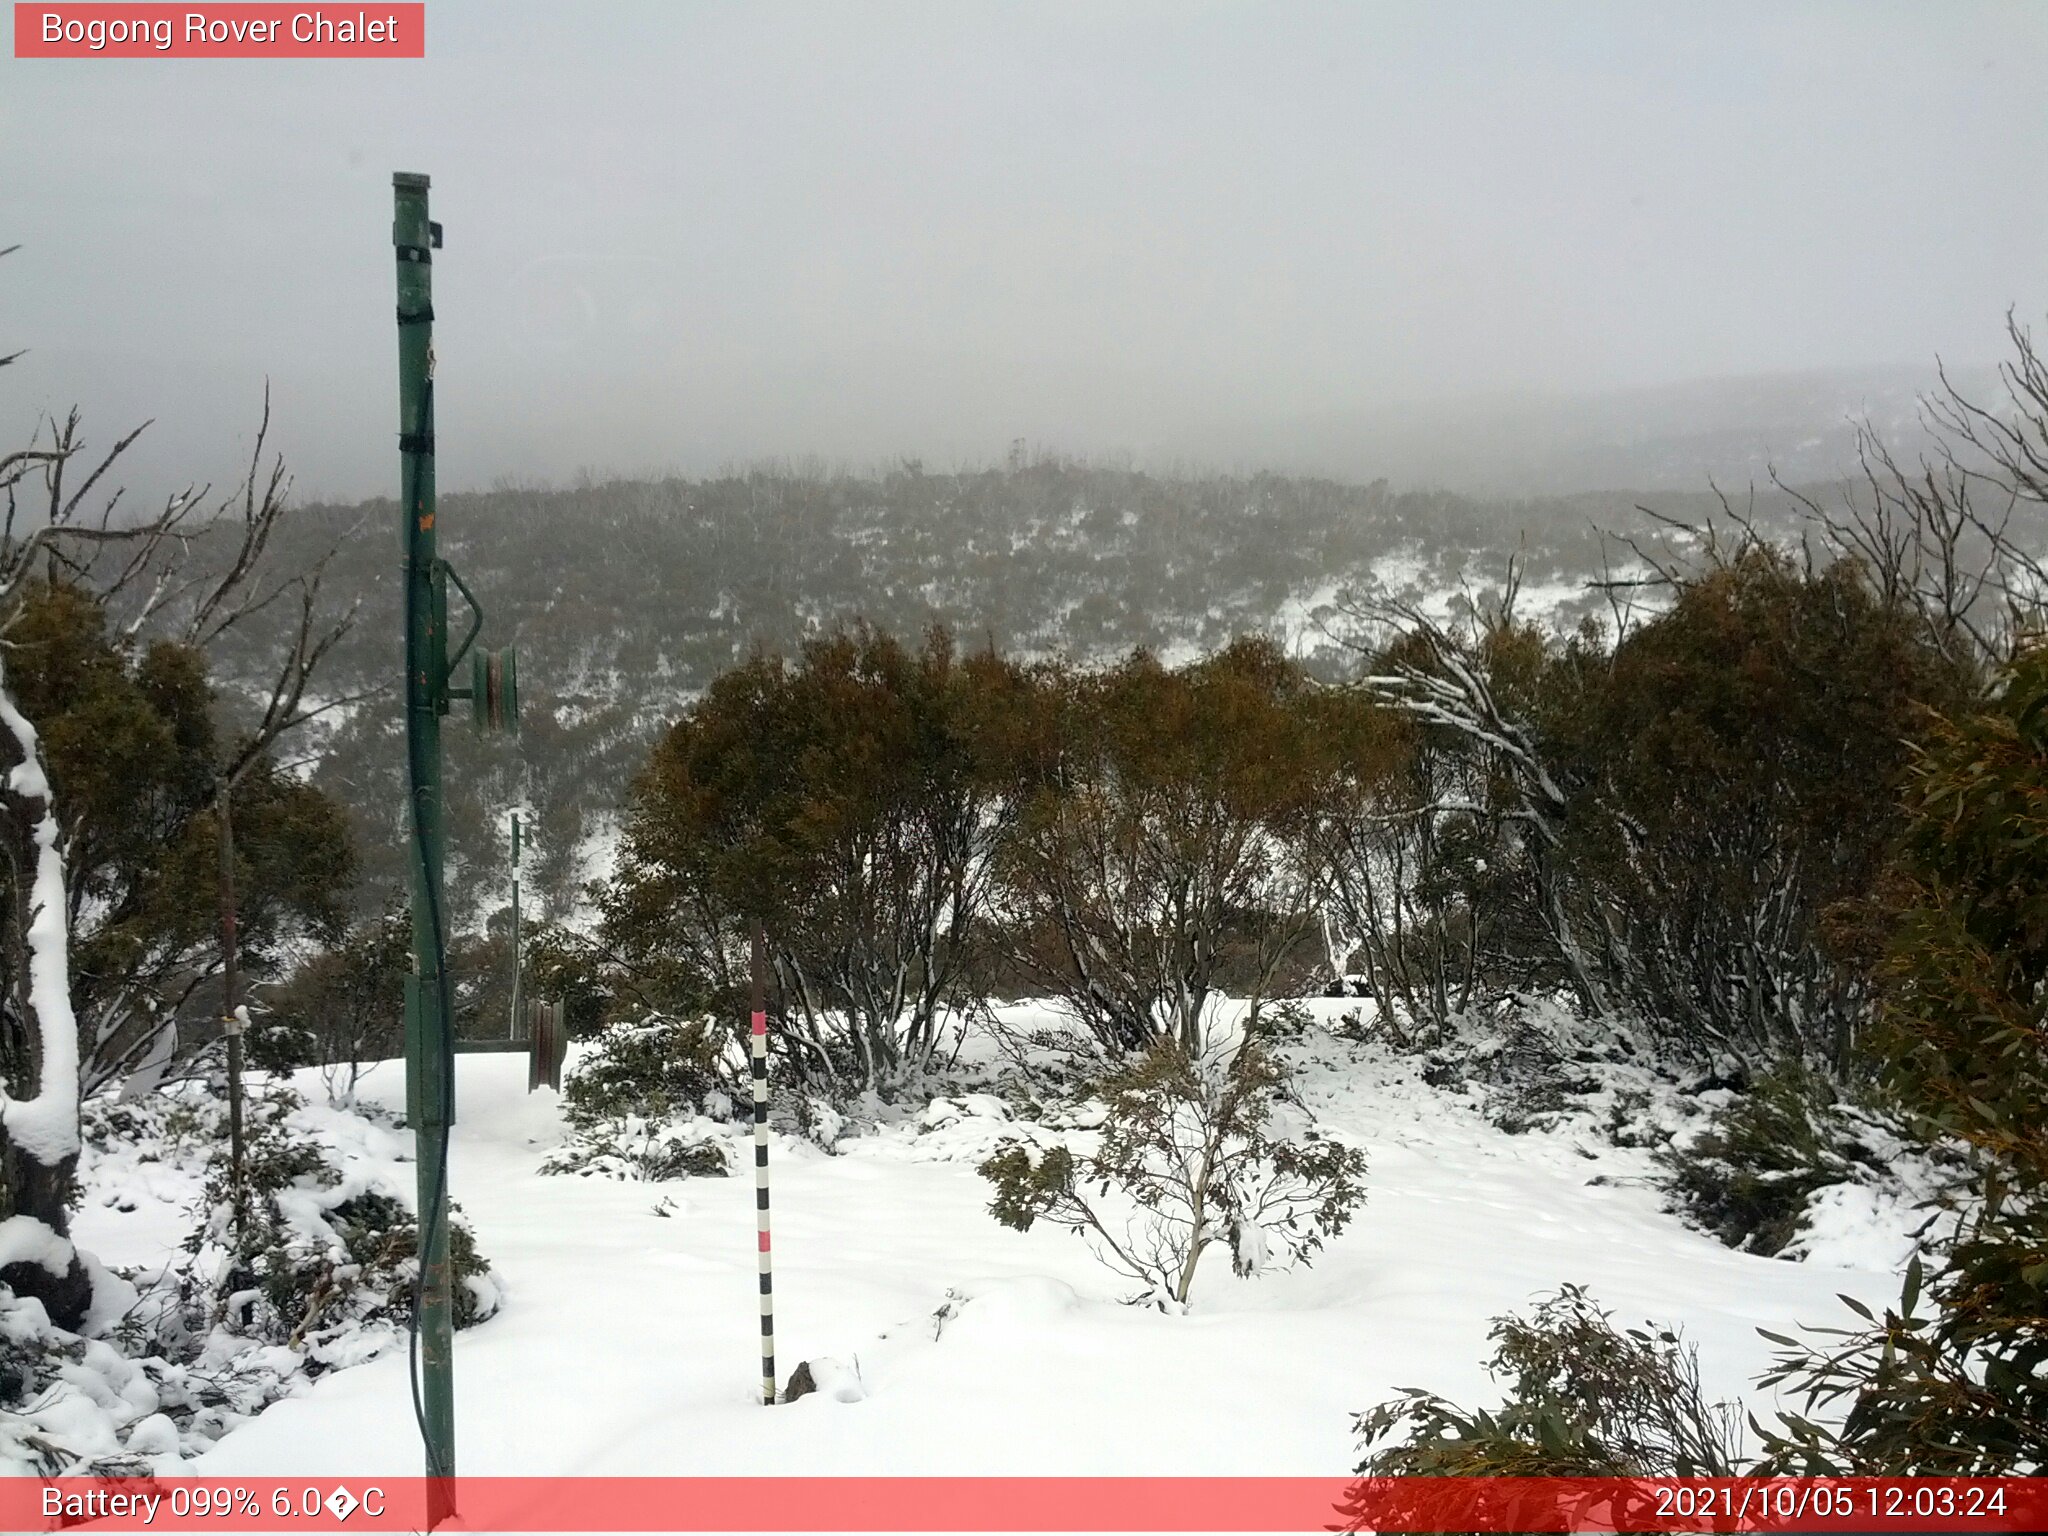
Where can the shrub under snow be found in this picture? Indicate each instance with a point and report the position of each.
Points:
(637, 1103)
(316, 1274)
(309, 1256)
(1778, 1158)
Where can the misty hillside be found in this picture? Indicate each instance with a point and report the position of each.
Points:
(624, 598)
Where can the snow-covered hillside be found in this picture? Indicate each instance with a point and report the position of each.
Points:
(627, 1341)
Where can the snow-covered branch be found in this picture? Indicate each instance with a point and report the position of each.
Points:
(43, 1126)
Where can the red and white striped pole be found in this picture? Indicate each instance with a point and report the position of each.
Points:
(760, 1055)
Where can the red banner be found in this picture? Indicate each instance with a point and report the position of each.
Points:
(1063, 1504)
(248, 31)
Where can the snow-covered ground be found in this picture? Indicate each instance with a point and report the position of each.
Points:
(628, 1339)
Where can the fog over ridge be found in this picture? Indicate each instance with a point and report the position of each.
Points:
(1492, 248)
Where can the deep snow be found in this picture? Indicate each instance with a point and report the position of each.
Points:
(628, 1339)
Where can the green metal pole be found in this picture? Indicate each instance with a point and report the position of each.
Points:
(429, 1061)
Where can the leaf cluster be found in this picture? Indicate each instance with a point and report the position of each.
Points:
(1584, 1399)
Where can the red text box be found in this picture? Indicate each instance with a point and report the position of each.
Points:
(1019, 1504)
(243, 31)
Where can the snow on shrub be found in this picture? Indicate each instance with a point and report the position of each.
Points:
(636, 1103)
(653, 1068)
(134, 1394)
(1784, 1150)
(633, 1147)
(1186, 1158)
(71, 1405)
(308, 1256)
(316, 1274)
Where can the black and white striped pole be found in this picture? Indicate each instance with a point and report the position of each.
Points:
(759, 1024)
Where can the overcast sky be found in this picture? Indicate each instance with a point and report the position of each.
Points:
(683, 234)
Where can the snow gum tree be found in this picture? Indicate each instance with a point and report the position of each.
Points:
(105, 774)
(39, 1048)
(39, 1032)
(844, 801)
(1671, 822)
(1427, 840)
(1188, 1158)
(1160, 850)
(109, 880)
(130, 744)
(1948, 1383)
(1735, 769)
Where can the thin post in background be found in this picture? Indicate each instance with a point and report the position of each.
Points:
(759, 1023)
(518, 959)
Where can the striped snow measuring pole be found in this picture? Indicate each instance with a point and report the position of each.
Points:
(760, 1054)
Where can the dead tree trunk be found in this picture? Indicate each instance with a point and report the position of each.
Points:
(230, 978)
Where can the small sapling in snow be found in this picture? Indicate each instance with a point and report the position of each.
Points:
(1187, 1158)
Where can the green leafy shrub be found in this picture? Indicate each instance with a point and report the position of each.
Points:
(1584, 1399)
(1959, 1388)
(1952, 1391)
(1187, 1158)
(634, 1147)
(636, 1103)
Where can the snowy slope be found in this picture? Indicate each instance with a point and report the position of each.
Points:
(628, 1339)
